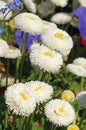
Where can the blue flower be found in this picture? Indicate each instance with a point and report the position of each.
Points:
(14, 5)
(3, 10)
(1, 30)
(80, 13)
(31, 39)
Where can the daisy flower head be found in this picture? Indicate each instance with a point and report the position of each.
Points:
(46, 59)
(3, 47)
(12, 53)
(60, 112)
(29, 23)
(48, 24)
(57, 39)
(30, 5)
(68, 95)
(77, 70)
(4, 11)
(20, 99)
(80, 61)
(73, 127)
(61, 18)
(39, 90)
(60, 3)
(81, 98)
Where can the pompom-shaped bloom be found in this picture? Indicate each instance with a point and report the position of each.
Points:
(29, 23)
(48, 24)
(3, 6)
(73, 127)
(81, 98)
(46, 59)
(68, 95)
(60, 112)
(3, 47)
(61, 18)
(57, 39)
(61, 3)
(80, 61)
(20, 99)
(12, 53)
(77, 70)
(30, 5)
(39, 90)
(82, 2)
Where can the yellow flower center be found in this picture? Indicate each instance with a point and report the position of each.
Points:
(11, 24)
(24, 96)
(31, 17)
(10, 51)
(60, 111)
(38, 88)
(35, 42)
(48, 53)
(75, 20)
(73, 127)
(59, 35)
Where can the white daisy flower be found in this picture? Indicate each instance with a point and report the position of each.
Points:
(61, 3)
(60, 112)
(74, 22)
(46, 59)
(81, 98)
(12, 53)
(61, 18)
(77, 70)
(3, 47)
(57, 39)
(82, 2)
(20, 99)
(48, 24)
(9, 15)
(39, 90)
(80, 61)
(30, 5)
(29, 23)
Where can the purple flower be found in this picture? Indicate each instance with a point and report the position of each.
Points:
(14, 5)
(80, 13)
(3, 10)
(1, 30)
(31, 39)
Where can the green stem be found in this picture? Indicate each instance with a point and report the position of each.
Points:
(23, 58)
(0, 78)
(40, 75)
(7, 71)
(82, 83)
(6, 118)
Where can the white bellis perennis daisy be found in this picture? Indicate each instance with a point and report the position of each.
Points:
(9, 15)
(3, 47)
(61, 3)
(46, 59)
(59, 112)
(29, 23)
(20, 99)
(61, 18)
(80, 61)
(12, 53)
(81, 98)
(77, 70)
(30, 5)
(82, 2)
(41, 90)
(57, 39)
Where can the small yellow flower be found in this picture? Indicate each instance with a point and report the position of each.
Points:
(68, 95)
(73, 127)
(11, 24)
